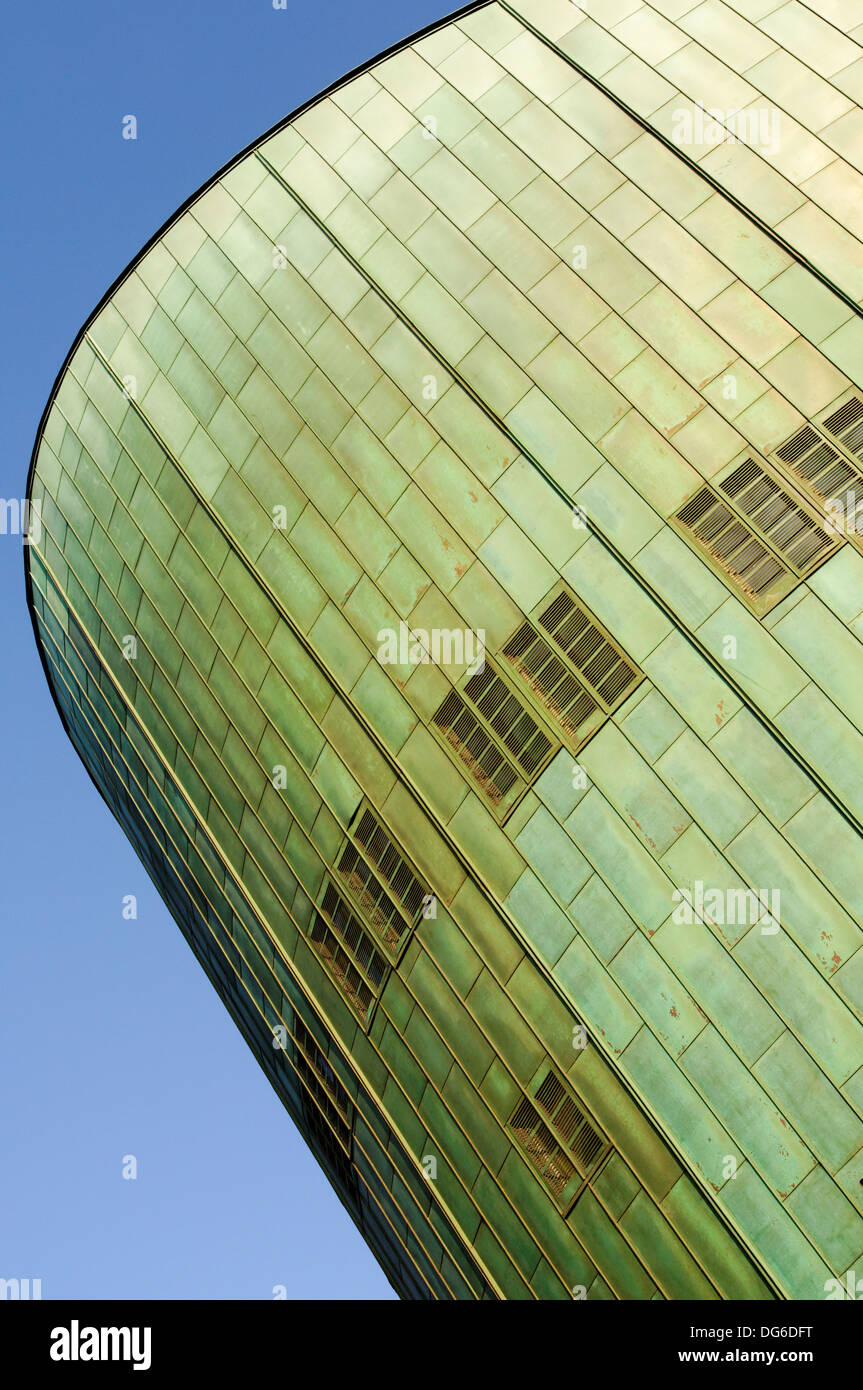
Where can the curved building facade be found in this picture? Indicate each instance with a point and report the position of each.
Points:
(447, 572)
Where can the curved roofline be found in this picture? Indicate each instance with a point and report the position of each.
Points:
(742, 1243)
(328, 91)
(214, 178)
(156, 237)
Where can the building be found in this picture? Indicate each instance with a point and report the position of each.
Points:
(448, 575)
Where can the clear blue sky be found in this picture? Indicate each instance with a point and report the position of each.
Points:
(113, 1041)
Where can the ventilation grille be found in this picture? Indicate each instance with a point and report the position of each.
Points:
(573, 667)
(825, 472)
(552, 682)
(348, 952)
(408, 890)
(817, 463)
(607, 673)
(542, 1149)
(736, 549)
(322, 1084)
(378, 909)
(514, 725)
(557, 1138)
(495, 736)
(802, 540)
(477, 750)
(846, 425)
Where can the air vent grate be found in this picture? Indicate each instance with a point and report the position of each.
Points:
(325, 1108)
(477, 750)
(408, 890)
(378, 909)
(846, 425)
(504, 712)
(802, 540)
(551, 681)
(738, 552)
(331, 1153)
(557, 1137)
(348, 952)
(495, 736)
(798, 445)
(542, 1149)
(608, 674)
(587, 1147)
(322, 1084)
(828, 474)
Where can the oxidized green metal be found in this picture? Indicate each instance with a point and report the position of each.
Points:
(447, 571)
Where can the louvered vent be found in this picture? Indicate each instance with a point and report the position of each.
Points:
(327, 1131)
(542, 1149)
(322, 1084)
(348, 952)
(408, 890)
(477, 750)
(833, 479)
(609, 674)
(735, 548)
(514, 725)
(331, 1154)
(802, 540)
(572, 666)
(846, 425)
(554, 684)
(378, 909)
(495, 736)
(557, 1137)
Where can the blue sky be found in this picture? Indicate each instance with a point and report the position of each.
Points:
(113, 1041)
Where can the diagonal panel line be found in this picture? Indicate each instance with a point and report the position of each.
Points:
(691, 164)
(667, 609)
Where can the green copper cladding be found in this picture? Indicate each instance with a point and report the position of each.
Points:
(447, 571)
